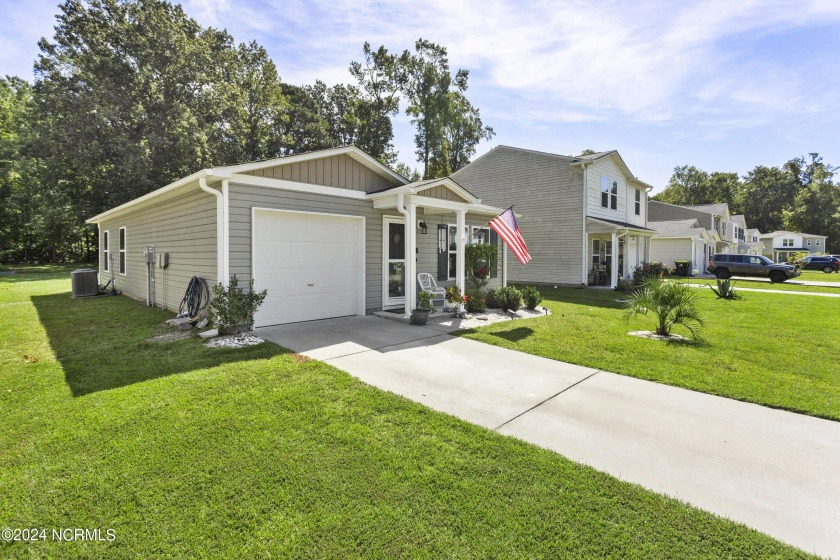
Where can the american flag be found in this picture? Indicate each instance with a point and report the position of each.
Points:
(505, 225)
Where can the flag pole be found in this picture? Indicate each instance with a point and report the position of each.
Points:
(497, 215)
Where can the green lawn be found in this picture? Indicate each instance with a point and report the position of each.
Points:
(782, 286)
(186, 451)
(817, 276)
(771, 349)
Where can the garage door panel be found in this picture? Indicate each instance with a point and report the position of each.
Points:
(310, 265)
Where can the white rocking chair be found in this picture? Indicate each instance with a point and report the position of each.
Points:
(427, 283)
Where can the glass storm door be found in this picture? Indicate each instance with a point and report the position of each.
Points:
(394, 260)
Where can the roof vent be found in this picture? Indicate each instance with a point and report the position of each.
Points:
(85, 282)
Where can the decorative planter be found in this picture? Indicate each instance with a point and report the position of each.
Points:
(420, 316)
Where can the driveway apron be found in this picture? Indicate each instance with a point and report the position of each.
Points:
(773, 470)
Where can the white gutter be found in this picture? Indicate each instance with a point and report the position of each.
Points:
(221, 230)
(584, 213)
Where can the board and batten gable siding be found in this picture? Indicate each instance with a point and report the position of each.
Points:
(662, 212)
(339, 171)
(667, 251)
(548, 193)
(183, 226)
(242, 198)
(441, 193)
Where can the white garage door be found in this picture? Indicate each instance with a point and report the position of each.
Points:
(309, 263)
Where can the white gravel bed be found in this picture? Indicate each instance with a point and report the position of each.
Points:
(234, 341)
(472, 320)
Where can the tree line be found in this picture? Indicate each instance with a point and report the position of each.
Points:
(130, 95)
(800, 195)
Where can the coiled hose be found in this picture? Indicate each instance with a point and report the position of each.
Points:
(195, 300)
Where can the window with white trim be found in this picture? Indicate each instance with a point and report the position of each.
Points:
(787, 242)
(609, 193)
(638, 196)
(106, 252)
(818, 242)
(122, 250)
(476, 235)
(808, 243)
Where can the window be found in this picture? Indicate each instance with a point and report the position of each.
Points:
(605, 192)
(808, 243)
(479, 236)
(122, 250)
(106, 253)
(638, 202)
(818, 242)
(614, 196)
(787, 242)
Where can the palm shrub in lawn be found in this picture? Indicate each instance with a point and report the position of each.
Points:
(671, 303)
(725, 290)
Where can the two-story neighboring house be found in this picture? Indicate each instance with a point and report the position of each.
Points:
(584, 218)
(713, 217)
(752, 244)
(779, 245)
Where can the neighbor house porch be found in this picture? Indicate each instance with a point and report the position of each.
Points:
(613, 249)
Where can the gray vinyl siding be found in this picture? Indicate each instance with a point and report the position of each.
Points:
(663, 212)
(339, 171)
(548, 194)
(243, 198)
(183, 226)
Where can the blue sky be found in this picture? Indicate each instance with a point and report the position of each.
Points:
(723, 85)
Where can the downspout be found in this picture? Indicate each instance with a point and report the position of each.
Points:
(220, 228)
(409, 284)
(584, 213)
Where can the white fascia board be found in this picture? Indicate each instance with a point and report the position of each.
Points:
(294, 186)
(351, 151)
(149, 196)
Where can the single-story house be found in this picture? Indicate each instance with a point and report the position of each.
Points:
(327, 233)
(584, 218)
(682, 240)
(779, 245)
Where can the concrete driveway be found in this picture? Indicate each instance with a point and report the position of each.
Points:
(775, 471)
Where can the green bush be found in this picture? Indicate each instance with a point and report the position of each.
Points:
(672, 304)
(492, 300)
(232, 308)
(476, 302)
(531, 296)
(510, 299)
(647, 270)
(424, 301)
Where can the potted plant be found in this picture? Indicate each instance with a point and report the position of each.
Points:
(454, 298)
(424, 308)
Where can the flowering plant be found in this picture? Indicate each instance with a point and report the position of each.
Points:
(453, 295)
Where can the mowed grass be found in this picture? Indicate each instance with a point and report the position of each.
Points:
(819, 276)
(186, 451)
(752, 284)
(772, 349)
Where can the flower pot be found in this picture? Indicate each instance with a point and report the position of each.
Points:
(420, 316)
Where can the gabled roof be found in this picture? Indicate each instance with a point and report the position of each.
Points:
(719, 209)
(739, 219)
(419, 186)
(678, 229)
(350, 151)
(773, 234)
(752, 231)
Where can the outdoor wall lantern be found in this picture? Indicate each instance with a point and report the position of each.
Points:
(423, 229)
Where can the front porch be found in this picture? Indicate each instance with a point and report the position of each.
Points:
(613, 250)
(434, 221)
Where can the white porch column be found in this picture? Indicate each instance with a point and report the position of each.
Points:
(504, 263)
(410, 258)
(461, 222)
(614, 259)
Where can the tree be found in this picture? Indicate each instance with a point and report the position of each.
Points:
(463, 130)
(765, 195)
(688, 185)
(816, 206)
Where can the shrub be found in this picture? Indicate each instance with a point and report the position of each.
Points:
(475, 302)
(725, 290)
(424, 301)
(492, 299)
(647, 270)
(531, 296)
(672, 304)
(624, 285)
(796, 259)
(510, 299)
(232, 308)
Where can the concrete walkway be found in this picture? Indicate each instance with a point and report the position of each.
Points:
(772, 470)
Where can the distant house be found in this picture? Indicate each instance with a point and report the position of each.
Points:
(779, 245)
(677, 240)
(584, 218)
(713, 217)
(753, 244)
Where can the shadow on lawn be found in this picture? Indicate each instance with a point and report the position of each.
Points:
(102, 343)
(515, 335)
(591, 297)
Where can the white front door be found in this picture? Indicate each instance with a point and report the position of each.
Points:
(310, 263)
(393, 262)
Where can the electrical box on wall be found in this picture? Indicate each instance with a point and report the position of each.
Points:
(150, 254)
(162, 260)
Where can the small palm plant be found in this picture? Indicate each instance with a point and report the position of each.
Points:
(672, 304)
(725, 290)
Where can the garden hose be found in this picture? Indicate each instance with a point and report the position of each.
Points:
(195, 300)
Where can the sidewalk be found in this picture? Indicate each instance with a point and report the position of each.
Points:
(773, 470)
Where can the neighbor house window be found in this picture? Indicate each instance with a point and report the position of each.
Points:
(818, 242)
(605, 192)
(787, 242)
(614, 195)
(122, 251)
(106, 253)
(808, 243)
(638, 202)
